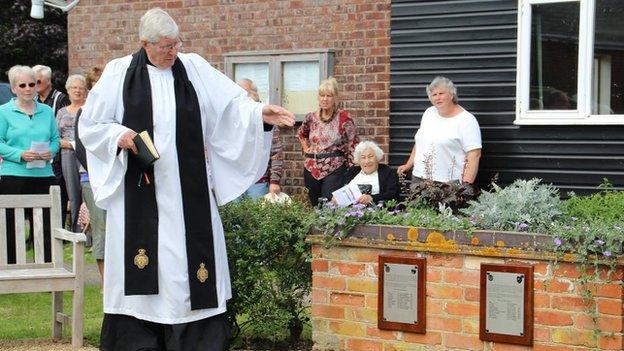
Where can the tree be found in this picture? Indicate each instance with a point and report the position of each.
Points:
(28, 41)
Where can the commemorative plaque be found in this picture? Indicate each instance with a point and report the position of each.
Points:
(506, 304)
(401, 299)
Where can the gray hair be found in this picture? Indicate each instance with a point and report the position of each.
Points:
(74, 77)
(45, 70)
(443, 83)
(364, 145)
(155, 24)
(17, 71)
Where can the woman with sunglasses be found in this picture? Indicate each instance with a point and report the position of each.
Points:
(29, 138)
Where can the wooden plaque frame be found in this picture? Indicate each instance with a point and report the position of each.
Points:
(420, 326)
(527, 337)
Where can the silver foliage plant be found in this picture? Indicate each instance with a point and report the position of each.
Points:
(524, 205)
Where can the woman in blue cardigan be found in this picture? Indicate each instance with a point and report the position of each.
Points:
(29, 139)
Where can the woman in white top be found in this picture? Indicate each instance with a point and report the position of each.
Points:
(448, 143)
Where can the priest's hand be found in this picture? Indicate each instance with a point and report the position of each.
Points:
(126, 141)
(277, 116)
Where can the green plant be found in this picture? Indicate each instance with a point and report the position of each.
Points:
(270, 268)
(523, 205)
(336, 223)
(606, 205)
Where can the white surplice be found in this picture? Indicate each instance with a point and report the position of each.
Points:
(236, 158)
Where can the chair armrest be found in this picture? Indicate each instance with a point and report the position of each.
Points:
(60, 233)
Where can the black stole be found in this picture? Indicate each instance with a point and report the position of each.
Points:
(141, 210)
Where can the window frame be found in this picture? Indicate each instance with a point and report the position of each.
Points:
(275, 60)
(582, 115)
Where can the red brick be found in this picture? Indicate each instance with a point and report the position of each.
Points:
(509, 347)
(444, 324)
(553, 318)
(541, 333)
(611, 342)
(462, 341)
(364, 345)
(430, 338)
(337, 298)
(462, 308)
(472, 294)
(434, 275)
(554, 286)
(375, 332)
(328, 311)
(538, 347)
(319, 296)
(320, 265)
(541, 300)
(610, 306)
(335, 283)
(347, 269)
(462, 277)
(569, 303)
(444, 291)
(449, 261)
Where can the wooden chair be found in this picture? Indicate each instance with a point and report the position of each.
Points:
(37, 276)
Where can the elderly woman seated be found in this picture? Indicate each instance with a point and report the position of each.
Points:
(379, 182)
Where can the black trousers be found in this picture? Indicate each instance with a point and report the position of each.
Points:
(324, 187)
(27, 185)
(126, 333)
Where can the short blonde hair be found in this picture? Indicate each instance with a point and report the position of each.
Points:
(329, 86)
(17, 71)
(92, 76)
(364, 145)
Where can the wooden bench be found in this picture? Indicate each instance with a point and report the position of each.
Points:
(38, 276)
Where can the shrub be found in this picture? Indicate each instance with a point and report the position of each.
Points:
(523, 205)
(270, 268)
(606, 206)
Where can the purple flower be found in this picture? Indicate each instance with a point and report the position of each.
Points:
(557, 242)
(380, 205)
(599, 242)
(359, 206)
(520, 226)
(606, 253)
(473, 219)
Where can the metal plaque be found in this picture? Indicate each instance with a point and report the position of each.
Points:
(400, 291)
(504, 310)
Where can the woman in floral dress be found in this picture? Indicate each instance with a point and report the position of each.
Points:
(328, 138)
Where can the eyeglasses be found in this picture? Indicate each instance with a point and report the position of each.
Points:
(166, 48)
(23, 85)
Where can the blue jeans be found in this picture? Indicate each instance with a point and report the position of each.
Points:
(255, 191)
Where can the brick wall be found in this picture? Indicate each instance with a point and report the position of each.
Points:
(344, 305)
(358, 31)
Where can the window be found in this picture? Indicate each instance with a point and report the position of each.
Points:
(570, 62)
(289, 79)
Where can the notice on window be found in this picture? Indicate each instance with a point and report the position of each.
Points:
(400, 293)
(504, 312)
(300, 86)
(257, 73)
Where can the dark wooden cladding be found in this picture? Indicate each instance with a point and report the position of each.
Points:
(474, 43)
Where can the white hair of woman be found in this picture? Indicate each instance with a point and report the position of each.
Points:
(156, 24)
(17, 71)
(365, 145)
(45, 70)
(445, 84)
(74, 77)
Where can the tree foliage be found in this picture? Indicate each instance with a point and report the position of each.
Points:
(28, 41)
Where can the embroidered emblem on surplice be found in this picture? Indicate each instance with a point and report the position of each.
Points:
(202, 273)
(141, 260)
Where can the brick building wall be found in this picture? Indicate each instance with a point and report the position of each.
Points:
(358, 31)
(344, 302)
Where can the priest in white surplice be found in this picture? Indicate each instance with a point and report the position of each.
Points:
(166, 274)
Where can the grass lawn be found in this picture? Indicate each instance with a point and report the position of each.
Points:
(28, 316)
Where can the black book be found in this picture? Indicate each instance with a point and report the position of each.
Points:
(147, 152)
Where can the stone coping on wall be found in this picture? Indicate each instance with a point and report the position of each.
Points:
(479, 242)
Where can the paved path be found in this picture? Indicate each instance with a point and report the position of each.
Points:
(40, 345)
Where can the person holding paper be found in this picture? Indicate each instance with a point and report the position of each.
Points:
(29, 138)
(376, 181)
(328, 137)
(166, 276)
(76, 86)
